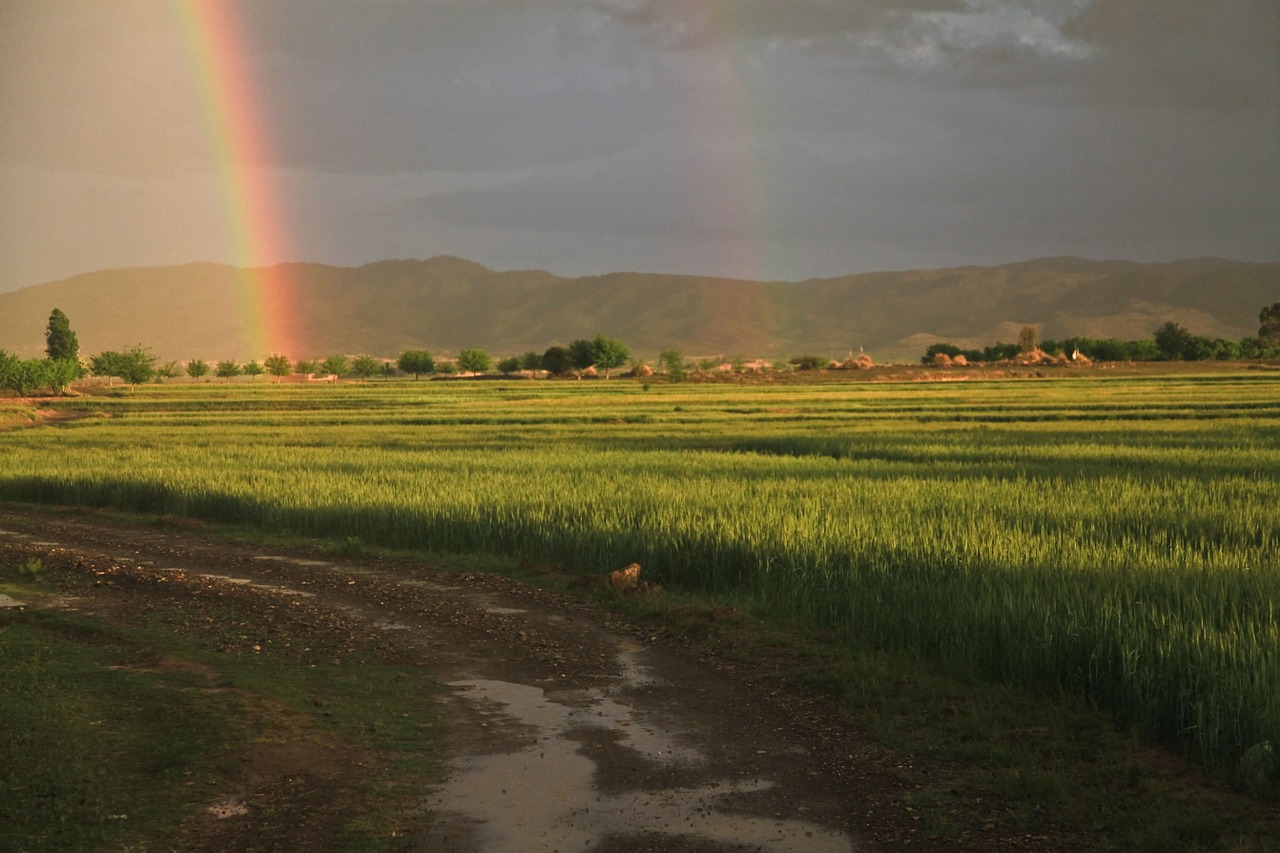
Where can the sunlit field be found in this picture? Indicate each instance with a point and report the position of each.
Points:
(1113, 537)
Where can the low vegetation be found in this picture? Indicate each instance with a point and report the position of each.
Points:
(1110, 538)
(122, 725)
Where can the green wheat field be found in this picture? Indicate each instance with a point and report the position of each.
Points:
(1113, 537)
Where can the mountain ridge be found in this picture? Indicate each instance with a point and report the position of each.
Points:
(445, 303)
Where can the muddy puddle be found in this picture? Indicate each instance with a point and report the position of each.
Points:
(543, 793)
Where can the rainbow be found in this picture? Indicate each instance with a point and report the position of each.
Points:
(727, 175)
(242, 148)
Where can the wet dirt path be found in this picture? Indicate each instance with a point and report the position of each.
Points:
(565, 732)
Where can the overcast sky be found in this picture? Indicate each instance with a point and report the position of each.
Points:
(775, 139)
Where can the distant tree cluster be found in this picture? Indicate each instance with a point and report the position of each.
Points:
(1170, 342)
(134, 365)
(55, 372)
(601, 352)
(26, 376)
(137, 364)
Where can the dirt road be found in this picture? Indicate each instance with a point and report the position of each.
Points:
(564, 731)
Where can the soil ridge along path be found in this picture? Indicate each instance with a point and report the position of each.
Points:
(564, 730)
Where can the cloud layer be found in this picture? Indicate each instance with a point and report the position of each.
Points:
(747, 138)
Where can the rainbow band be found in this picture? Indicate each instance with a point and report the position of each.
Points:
(242, 150)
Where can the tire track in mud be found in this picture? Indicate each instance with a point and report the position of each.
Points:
(563, 731)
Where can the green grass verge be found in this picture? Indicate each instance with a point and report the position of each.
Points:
(973, 755)
(120, 735)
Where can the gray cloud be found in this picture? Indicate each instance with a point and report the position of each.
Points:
(807, 137)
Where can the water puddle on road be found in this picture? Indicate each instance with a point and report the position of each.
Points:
(542, 797)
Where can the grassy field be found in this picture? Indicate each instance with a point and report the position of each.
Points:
(1107, 537)
(123, 724)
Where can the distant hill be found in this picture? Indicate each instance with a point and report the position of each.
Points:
(445, 304)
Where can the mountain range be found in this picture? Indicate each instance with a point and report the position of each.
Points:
(445, 304)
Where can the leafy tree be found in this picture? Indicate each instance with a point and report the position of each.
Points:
(1002, 352)
(388, 369)
(60, 341)
(1269, 317)
(1224, 350)
(135, 365)
(949, 350)
(1144, 350)
(227, 370)
(197, 367)
(278, 366)
(365, 366)
(608, 353)
(1174, 341)
(335, 364)
(417, 362)
(1200, 348)
(1111, 349)
(104, 364)
(531, 361)
(59, 373)
(582, 354)
(168, 370)
(252, 369)
(474, 361)
(509, 365)
(26, 376)
(307, 366)
(1258, 348)
(557, 360)
(673, 361)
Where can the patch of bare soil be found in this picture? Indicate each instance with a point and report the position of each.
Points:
(564, 730)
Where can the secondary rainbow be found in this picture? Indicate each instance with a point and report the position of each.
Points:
(253, 218)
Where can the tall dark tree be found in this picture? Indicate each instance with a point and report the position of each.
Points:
(581, 354)
(1269, 317)
(60, 341)
(1174, 341)
(557, 360)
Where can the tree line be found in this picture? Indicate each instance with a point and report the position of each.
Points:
(135, 365)
(1170, 342)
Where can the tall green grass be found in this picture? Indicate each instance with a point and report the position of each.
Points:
(1115, 538)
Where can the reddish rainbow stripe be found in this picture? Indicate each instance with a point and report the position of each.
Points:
(254, 219)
